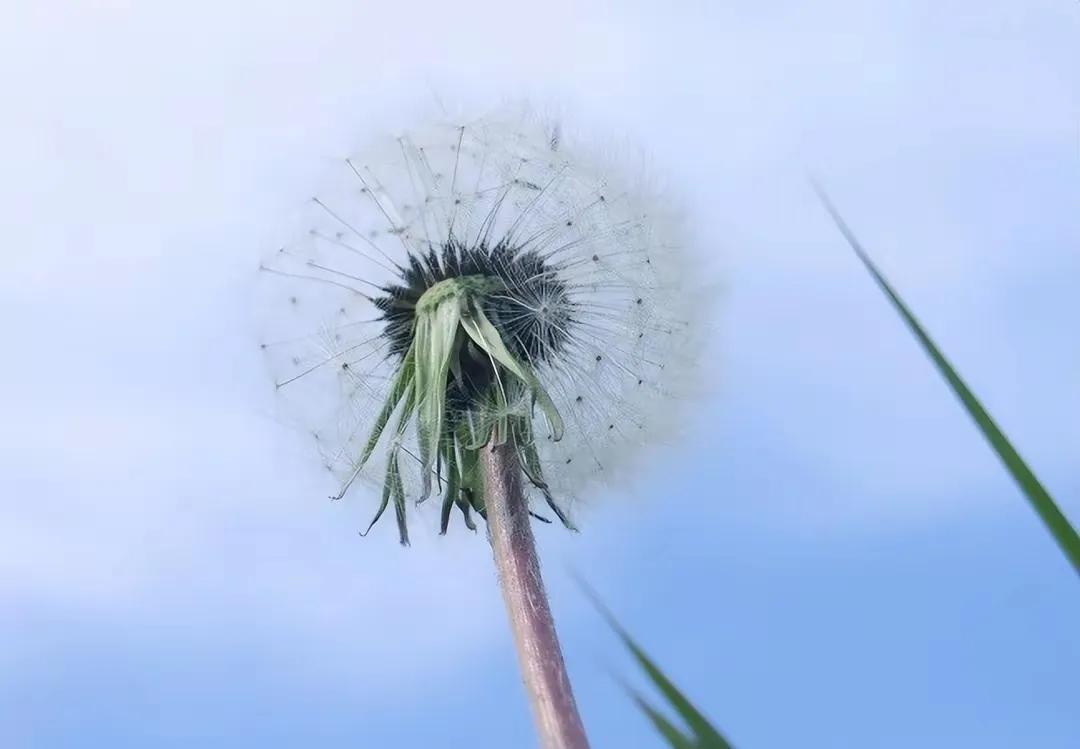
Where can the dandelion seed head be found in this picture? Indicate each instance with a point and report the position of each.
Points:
(576, 263)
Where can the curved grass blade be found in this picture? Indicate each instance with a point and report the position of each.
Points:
(1037, 496)
(704, 735)
(671, 733)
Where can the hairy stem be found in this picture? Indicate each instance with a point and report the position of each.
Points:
(542, 667)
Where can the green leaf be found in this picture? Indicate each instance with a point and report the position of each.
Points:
(1037, 496)
(704, 735)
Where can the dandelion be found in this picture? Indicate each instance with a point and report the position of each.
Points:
(483, 313)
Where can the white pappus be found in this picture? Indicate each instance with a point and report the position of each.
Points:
(482, 280)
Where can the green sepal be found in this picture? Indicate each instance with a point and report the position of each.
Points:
(486, 336)
(464, 502)
(434, 346)
(530, 466)
(449, 316)
(402, 383)
(453, 487)
(397, 490)
(393, 488)
(387, 490)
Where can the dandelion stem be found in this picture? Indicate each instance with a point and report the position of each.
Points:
(540, 657)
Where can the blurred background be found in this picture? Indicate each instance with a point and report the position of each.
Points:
(833, 556)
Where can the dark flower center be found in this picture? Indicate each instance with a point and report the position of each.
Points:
(529, 306)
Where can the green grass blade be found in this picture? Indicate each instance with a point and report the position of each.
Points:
(671, 733)
(704, 734)
(1040, 499)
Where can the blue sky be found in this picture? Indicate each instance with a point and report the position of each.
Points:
(831, 558)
